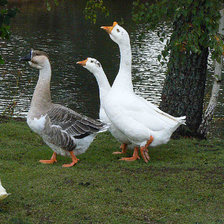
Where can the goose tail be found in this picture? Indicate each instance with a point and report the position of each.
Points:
(181, 120)
(104, 127)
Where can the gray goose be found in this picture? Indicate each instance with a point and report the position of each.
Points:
(65, 131)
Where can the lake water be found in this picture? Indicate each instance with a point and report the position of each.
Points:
(67, 38)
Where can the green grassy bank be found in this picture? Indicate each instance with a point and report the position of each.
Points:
(183, 182)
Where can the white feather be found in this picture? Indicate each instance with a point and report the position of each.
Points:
(3, 193)
(37, 125)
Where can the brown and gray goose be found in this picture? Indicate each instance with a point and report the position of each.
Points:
(65, 131)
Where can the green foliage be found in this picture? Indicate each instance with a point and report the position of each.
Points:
(50, 2)
(200, 21)
(93, 8)
(183, 182)
(5, 17)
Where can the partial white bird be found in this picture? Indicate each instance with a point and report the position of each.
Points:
(65, 131)
(3, 193)
(143, 123)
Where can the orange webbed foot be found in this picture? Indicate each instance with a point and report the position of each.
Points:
(144, 150)
(74, 160)
(134, 157)
(50, 161)
(70, 164)
(144, 153)
(124, 149)
(130, 159)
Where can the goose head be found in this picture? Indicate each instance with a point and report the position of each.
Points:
(117, 33)
(36, 59)
(92, 65)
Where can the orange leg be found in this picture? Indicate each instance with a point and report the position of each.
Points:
(144, 150)
(134, 157)
(124, 149)
(51, 161)
(74, 160)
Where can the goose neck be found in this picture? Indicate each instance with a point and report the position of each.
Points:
(124, 78)
(104, 85)
(41, 100)
(126, 57)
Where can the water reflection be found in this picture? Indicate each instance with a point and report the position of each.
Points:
(67, 38)
(148, 73)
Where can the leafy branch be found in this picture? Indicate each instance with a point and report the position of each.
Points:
(93, 8)
(49, 4)
(5, 18)
(198, 30)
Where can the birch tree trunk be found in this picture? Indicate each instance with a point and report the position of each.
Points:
(208, 115)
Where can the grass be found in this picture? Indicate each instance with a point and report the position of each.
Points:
(183, 182)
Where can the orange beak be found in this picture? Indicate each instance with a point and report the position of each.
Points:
(82, 63)
(109, 29)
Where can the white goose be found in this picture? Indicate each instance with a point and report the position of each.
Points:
(3, 193)
(96, 69)
(65, 131)
(142, 122)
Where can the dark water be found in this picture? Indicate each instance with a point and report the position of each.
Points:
(67, 38)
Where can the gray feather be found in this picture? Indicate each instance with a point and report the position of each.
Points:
(64, 124)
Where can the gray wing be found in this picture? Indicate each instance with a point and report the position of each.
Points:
(64, 124)
(74, 123)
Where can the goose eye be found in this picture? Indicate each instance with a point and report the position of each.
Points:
(118, 30)
(91, 61)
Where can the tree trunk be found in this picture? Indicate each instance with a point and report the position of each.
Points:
(183, 91)
(206, 122)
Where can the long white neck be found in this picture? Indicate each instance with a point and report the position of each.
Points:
(104, 85)
(41, 100)
(124, 78)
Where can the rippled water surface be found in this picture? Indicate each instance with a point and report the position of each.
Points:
(67, 38)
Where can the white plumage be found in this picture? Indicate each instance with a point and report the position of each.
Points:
(96, 69)
(3, 193)
(140, 121)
